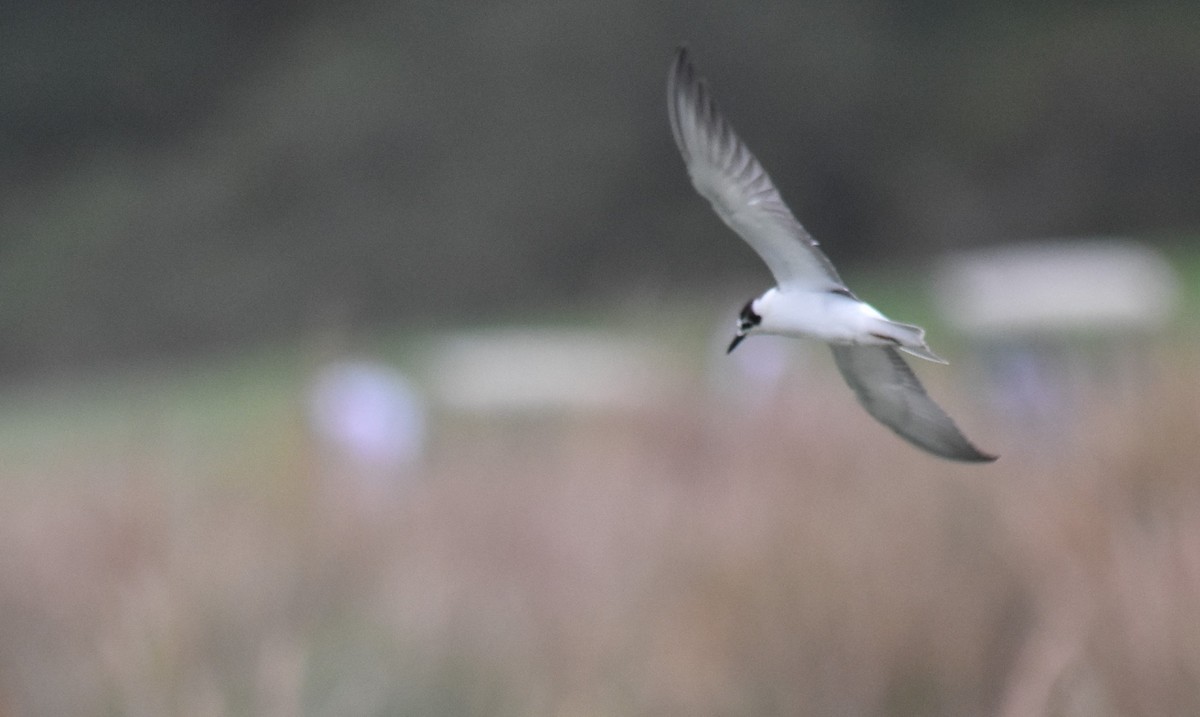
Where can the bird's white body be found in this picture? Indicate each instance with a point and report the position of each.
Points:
(809, 300)
(835, 318)
(821, 315)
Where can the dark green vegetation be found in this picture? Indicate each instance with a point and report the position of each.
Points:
(180, 175)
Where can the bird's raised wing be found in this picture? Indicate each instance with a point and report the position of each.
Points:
(890, 392)
(726, 173)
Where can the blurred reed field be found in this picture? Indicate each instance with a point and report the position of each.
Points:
(187, 547)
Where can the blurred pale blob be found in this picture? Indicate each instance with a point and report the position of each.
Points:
(371, 423)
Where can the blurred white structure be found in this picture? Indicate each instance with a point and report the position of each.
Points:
(371, 421)
(1102, 285)
(1053, 319)
(537, 370)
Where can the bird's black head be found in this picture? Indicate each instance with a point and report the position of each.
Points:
(747, 320)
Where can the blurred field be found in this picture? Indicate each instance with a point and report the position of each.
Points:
(172, 546)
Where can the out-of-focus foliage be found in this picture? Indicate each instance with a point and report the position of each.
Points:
(185, 174)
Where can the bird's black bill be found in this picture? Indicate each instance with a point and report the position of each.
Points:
(737, 339)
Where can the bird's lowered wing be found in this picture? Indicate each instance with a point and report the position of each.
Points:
(726, 173)
(890, 392)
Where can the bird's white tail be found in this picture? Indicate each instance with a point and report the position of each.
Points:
(909, 339)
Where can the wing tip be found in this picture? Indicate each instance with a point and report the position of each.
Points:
(973, 455)
(683, 89)
(951, 445)
(681, 63)
(682, 74)
(691, 108)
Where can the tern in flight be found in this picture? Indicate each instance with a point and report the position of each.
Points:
(810, 299)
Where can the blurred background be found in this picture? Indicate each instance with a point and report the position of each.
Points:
(366, 358)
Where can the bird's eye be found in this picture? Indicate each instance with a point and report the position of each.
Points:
(748, 317)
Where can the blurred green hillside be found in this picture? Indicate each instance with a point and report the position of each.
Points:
(182, 176)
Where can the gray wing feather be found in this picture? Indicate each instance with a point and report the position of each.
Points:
(890, 392)
(726, 173)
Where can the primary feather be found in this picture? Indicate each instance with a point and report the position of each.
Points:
(726, 173)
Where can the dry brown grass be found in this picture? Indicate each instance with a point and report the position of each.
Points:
(688, 559)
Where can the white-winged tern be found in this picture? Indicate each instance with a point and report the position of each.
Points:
(810, 300)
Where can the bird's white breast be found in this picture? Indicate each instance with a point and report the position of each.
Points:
(822, 315)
